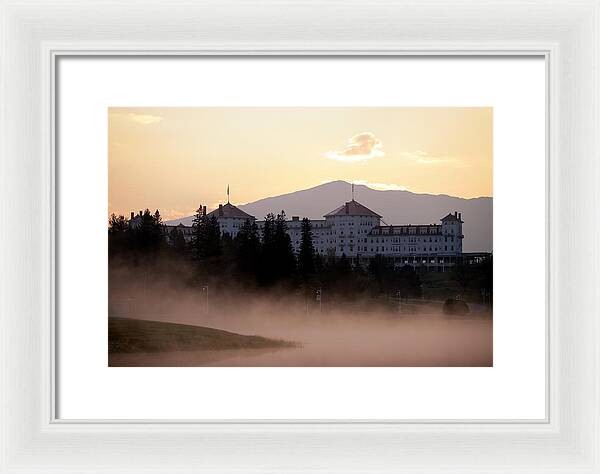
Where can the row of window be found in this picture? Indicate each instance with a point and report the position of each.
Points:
(395, 249)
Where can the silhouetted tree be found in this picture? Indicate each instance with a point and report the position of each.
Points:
(410, 283)
(157, 229)
(267, 271)
(117, 224)
(198, 231)
(488, 274)
(337, 277)
(147, 232)
(226, 243)
(306, 256)
(284, 251)
(177, 240)
(343, 265)
(462, 275)
(386, 278)
(381, 274)
(118, 239)
(318, 263)
(212, 238)
(247, 248)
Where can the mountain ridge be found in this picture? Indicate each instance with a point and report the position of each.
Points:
(396, 206)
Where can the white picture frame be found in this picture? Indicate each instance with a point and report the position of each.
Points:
(34, 35)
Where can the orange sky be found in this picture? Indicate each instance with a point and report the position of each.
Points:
(175, 159)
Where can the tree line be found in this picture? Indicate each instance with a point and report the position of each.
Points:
(260, 258)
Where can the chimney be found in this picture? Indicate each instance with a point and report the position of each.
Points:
(295, 218)
(140, 213)
(460, 216)
(204, 210)
(455, 214)
(347, 208)
(220, 210)
(132, 213)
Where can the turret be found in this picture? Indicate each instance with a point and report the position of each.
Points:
(452, 232)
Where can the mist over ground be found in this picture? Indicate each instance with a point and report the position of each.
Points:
(339, 332)
(251, 301)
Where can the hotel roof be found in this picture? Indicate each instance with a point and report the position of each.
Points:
(229, 210)
(352, 208)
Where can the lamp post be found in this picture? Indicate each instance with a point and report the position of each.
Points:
(319, 299)
(205, 291)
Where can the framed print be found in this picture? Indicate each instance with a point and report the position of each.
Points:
(425, 311)
(267, 238)
(338, 273)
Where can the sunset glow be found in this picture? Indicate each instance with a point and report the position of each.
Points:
(175, 159)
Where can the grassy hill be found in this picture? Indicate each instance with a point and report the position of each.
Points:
(137, 335)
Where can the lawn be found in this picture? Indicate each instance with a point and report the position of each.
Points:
(137, 335)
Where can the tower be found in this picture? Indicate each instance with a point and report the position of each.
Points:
(452, 232)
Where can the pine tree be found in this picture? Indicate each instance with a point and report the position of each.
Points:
(198, 231)
(247, 247)
(306, 257)
(284, 250)
(157, 230)
(177, 240)
(410, 283)
(267, 269)
(117, 234)
(147, 235)
(117, 224)
(212, 238)
(343, 265)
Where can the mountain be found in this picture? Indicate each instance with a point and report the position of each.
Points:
(396, 207)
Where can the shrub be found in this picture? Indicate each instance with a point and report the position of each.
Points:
(455, 307)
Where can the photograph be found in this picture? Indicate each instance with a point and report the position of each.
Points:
(300, 236)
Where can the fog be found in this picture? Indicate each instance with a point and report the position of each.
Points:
(337, 333)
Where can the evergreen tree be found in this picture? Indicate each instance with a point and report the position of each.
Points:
(284, 250)
(247, 247)
(306, 257)
(177, 240)
(117, 224)
(198, 231)
(117, 234)
(226, 243)
(206, 236)
(343, 265)
(157, 230)
(147, 234)
(462, 275)
(212, 238)
(267, 269)
(410, 283)
(268, 232)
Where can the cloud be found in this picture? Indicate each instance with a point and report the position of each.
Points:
(360, 147)
(144, 119)
(381, 186)
(423, 158)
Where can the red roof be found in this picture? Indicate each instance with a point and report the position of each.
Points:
(352, 208)
(229, 210)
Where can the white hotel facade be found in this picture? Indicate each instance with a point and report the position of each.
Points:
(357, 232)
